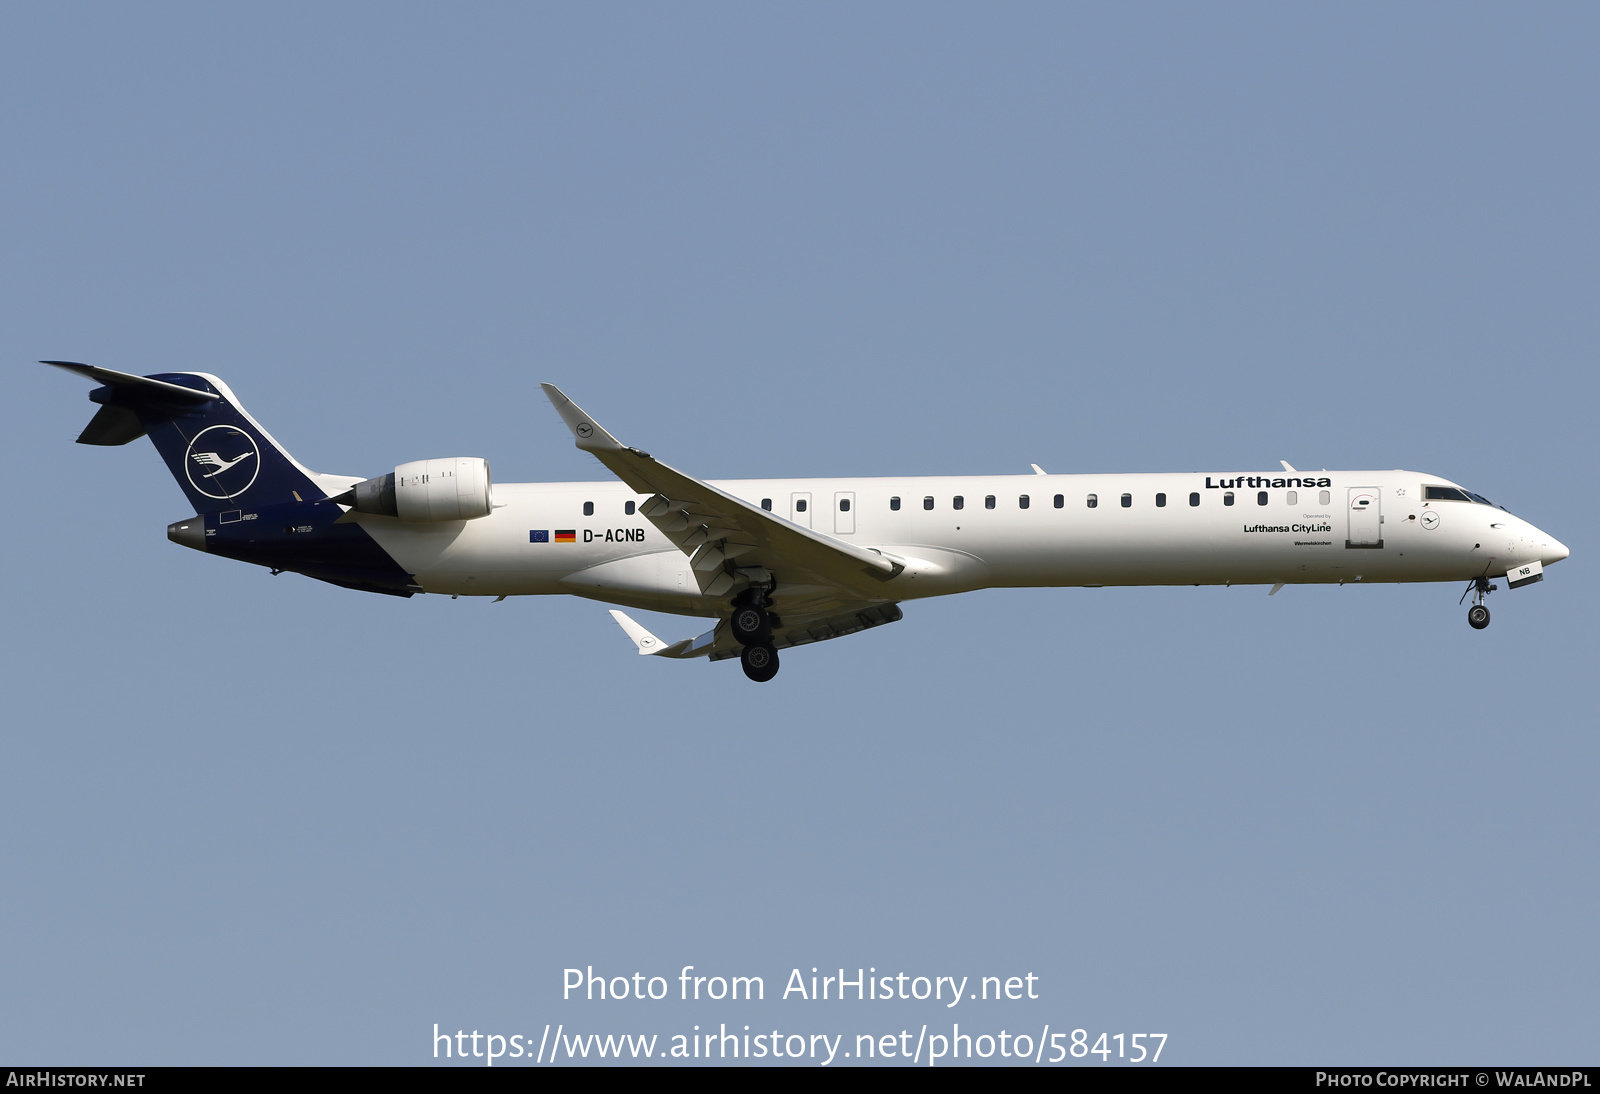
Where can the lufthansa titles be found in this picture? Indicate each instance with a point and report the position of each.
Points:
(1265, 482)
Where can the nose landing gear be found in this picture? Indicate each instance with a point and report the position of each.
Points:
(1478, 615)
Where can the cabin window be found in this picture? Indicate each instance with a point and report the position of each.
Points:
(1227, 497)
(1022, 502)
(1093, 501)
(627, 507)
(1061, 500)
(1194, 499)
(958, 502)
(844, 505)
(1294, 497)
(1261, 498)
(800, 505)
(1323, 498)
(988, 501)
(588, 508)
(927, 502)
(766, 503)
(1127, 501)
(894, 504)
(1161, 501)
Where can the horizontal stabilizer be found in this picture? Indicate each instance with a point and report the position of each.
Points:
(143, 385)
(117, 421)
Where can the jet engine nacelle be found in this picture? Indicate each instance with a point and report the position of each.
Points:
(457, 488)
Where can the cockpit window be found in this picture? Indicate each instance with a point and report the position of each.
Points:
(1451, 493)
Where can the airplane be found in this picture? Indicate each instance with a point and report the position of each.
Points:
(782, 563)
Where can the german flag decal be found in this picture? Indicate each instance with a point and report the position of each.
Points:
(566, 535)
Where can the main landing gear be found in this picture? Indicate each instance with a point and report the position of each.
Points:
(1478, 615)
(751, 627)
(760, 662)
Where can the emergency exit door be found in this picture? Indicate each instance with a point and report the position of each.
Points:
(844, 513)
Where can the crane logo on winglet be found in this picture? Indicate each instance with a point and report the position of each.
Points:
(219, 463)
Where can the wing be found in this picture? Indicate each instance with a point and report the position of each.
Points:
(727, 538)
(836, 621)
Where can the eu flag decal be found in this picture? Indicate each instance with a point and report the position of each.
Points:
(539, 535)
(566, 535)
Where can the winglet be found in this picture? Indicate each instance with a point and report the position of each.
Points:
(650, 644)
(586, 432)
(1287, 468)
(647, 642)
(1037, 470)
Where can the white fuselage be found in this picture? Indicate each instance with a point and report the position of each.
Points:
(1322, 532)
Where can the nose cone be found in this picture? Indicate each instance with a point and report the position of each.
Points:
(1547, 547)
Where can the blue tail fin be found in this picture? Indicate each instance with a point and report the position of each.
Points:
(221, 456)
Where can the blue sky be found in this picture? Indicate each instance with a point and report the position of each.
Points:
(263, 820)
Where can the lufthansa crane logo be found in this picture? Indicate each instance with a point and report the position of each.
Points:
(222, 462)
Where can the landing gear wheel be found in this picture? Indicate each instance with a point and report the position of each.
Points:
(750, 626)
(760, 662)
(1477, 615)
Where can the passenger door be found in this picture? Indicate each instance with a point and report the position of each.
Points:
(800, 509)
(1366, 518)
